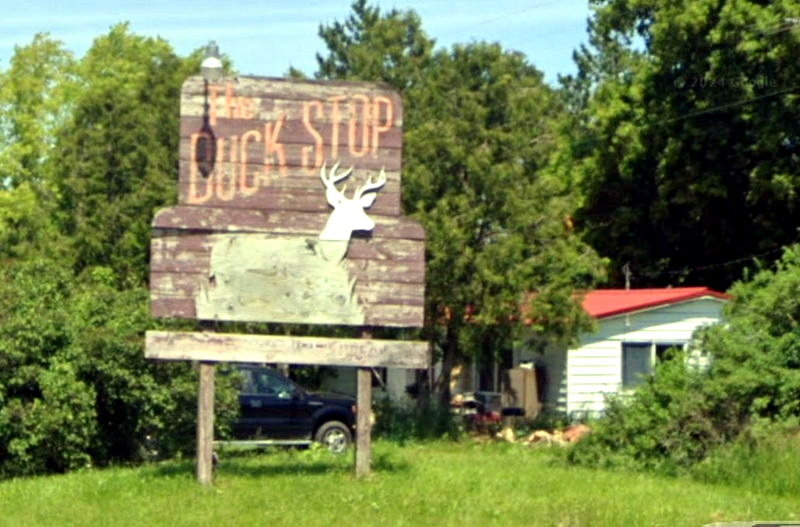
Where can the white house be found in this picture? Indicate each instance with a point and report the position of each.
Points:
(386, 382)
(635, 328)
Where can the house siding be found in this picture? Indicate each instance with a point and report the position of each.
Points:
(579, 380)
(594, 369)
(593, 372)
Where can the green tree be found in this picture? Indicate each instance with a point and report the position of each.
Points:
(35, 101)
(118, 154)
(688, 152)
(497, 225)
(75, 388)
(47, 418)
(25, 224)
(370, 45)
(757, 351)
(141, 405)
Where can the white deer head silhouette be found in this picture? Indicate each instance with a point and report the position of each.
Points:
(348, 213)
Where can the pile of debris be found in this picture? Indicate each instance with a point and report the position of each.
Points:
(563, 437)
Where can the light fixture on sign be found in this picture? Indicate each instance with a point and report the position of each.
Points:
(211, 66)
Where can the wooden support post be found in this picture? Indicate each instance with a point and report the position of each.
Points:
(364, 417)
(363, 425)
(205, 424)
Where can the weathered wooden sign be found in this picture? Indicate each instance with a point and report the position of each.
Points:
(217, 347)
(260, 143)
(266, 229)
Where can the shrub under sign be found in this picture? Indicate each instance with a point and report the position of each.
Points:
(266, 229)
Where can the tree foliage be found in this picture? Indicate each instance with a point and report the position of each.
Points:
(688, 152)
(370, 45)
(81, 172)
(758, 350)
(75, 388)
(35, 98)
(36, 94)
(497, 225)
(118, 153)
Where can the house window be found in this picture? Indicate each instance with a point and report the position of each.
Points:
(638, 359)
(636, 363)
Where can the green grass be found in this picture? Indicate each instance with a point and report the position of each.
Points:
(772, 466)
(459, 484)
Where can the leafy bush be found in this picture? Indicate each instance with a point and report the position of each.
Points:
(75, 388)
(668, 424)
(53, 431)
(86, 159)
(757, 353)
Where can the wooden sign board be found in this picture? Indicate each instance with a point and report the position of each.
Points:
(266, 229)
(259, 143)
(218, 347)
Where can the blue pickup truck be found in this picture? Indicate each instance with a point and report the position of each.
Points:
(275, 410)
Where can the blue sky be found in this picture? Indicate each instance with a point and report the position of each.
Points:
(266, 37)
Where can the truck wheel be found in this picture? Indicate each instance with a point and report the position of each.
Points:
(335, 436)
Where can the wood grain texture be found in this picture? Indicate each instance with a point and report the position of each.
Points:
(363, 460)
(293, 178)
(388, 315)
(250, 158)
(246, 139)
(269, 88)
(188, 285)
(223, 347)
(205, 424)
(216, 219)
(293, 129)
(256, 277)
(283, 195)
(297, 157)
(388, 275)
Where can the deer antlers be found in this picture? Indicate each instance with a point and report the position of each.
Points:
(336, 196)
(370, 186)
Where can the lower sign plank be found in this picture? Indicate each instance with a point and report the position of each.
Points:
(226, 347)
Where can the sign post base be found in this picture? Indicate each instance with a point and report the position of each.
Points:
(205, 424)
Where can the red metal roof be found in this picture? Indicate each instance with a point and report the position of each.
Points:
(603, 303)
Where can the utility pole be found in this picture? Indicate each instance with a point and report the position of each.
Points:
(626, 270)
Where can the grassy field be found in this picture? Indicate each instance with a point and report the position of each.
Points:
(438, 484)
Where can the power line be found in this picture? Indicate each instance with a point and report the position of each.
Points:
(688, 270)
(501, 17)
(728, 105)
(784, 25)
(595, 137)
